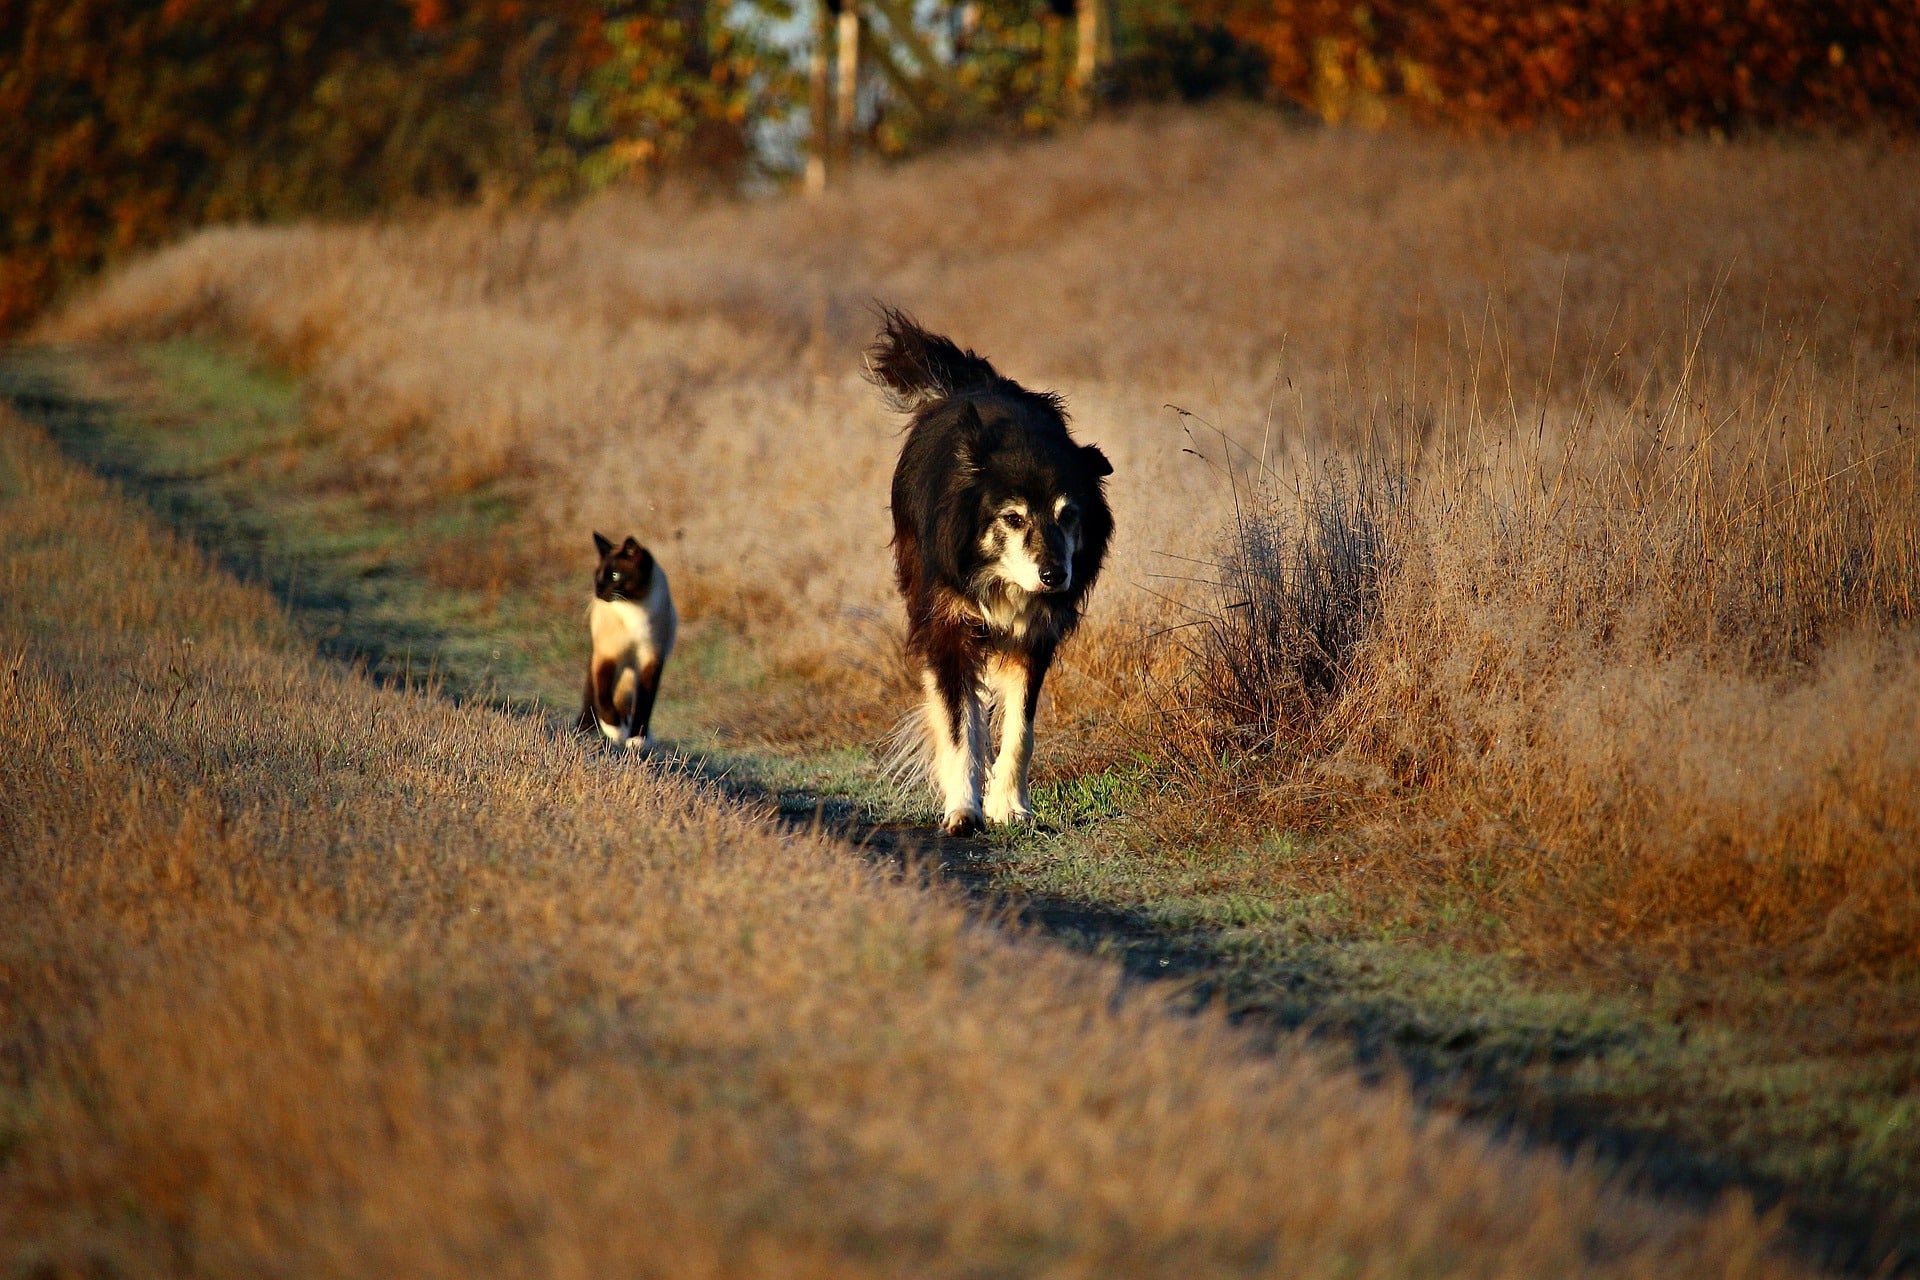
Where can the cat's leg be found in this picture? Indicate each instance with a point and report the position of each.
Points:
(625, 695)
(612, 724)
(647, 689)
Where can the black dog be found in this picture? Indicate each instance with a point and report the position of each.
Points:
(1000, 523)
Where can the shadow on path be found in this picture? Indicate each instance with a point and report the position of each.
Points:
(1448, 1068)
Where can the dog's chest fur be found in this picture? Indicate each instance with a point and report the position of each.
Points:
(1008, 611)
(1007, 615)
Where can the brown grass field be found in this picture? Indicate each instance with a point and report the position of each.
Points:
(1610, 446)
(1643, 667)
(303, 977)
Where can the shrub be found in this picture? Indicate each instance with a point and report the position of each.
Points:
(1299, 579)
(140, 121)
(1513, 64)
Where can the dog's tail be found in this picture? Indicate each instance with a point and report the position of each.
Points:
(906, 753)
(913, 367)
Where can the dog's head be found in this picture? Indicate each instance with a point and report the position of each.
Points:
(1031, 505)
(991, 496)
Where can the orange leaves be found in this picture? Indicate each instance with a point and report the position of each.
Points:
(144, 120)
(1662, 64)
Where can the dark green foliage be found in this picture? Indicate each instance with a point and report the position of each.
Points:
(130, 121)
(1172, 57)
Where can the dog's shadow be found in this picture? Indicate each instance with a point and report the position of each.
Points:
(973, 866)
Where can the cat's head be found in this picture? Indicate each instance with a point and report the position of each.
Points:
(625, 572)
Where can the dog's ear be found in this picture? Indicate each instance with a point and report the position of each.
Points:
(944, 510)
(601, 542)
(972, 437)
(1091, 455)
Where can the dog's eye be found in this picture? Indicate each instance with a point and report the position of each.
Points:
(1013, 520)
(1069, 515)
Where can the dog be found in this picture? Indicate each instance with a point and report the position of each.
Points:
(1000, 525)
(632, 621)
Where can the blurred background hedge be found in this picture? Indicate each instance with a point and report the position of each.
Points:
(130, 122)
(1680, 65)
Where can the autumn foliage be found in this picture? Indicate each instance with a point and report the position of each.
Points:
(1680, 65)
(130, 122)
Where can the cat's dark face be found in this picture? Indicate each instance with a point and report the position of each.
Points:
(625, 572)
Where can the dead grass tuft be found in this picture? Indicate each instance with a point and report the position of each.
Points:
(1297, 589)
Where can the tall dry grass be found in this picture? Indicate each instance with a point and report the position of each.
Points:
(299, 976)
(1632, 670)
(1646, 649)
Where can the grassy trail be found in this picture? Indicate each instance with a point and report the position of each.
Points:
(304, 975)
(217, 449)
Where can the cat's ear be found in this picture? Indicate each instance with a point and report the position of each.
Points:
(601, 542)
(631, 546)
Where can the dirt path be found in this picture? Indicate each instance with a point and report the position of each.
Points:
(389, 647)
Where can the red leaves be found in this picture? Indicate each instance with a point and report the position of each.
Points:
(142, 120)
(1661, 64)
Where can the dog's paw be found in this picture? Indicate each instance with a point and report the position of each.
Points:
(961, 822)
(1007, 810)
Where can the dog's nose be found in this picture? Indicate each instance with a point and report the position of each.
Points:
(1052, 577)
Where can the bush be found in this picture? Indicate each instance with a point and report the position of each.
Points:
(1513, 64)
(139, 121)
(1298, 581)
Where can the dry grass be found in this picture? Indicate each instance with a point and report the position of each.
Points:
(1644, 670)
(302, 977)
(1673, 703)
(1643, 673)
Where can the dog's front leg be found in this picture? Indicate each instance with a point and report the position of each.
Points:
(955, 719)
(1016, 687)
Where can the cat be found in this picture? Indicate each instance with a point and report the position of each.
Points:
(632, 621)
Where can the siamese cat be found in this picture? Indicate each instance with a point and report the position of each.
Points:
(632, 621)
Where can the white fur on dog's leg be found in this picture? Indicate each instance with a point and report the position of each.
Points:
(956, 767)
(1007, 798)
(614, 733)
